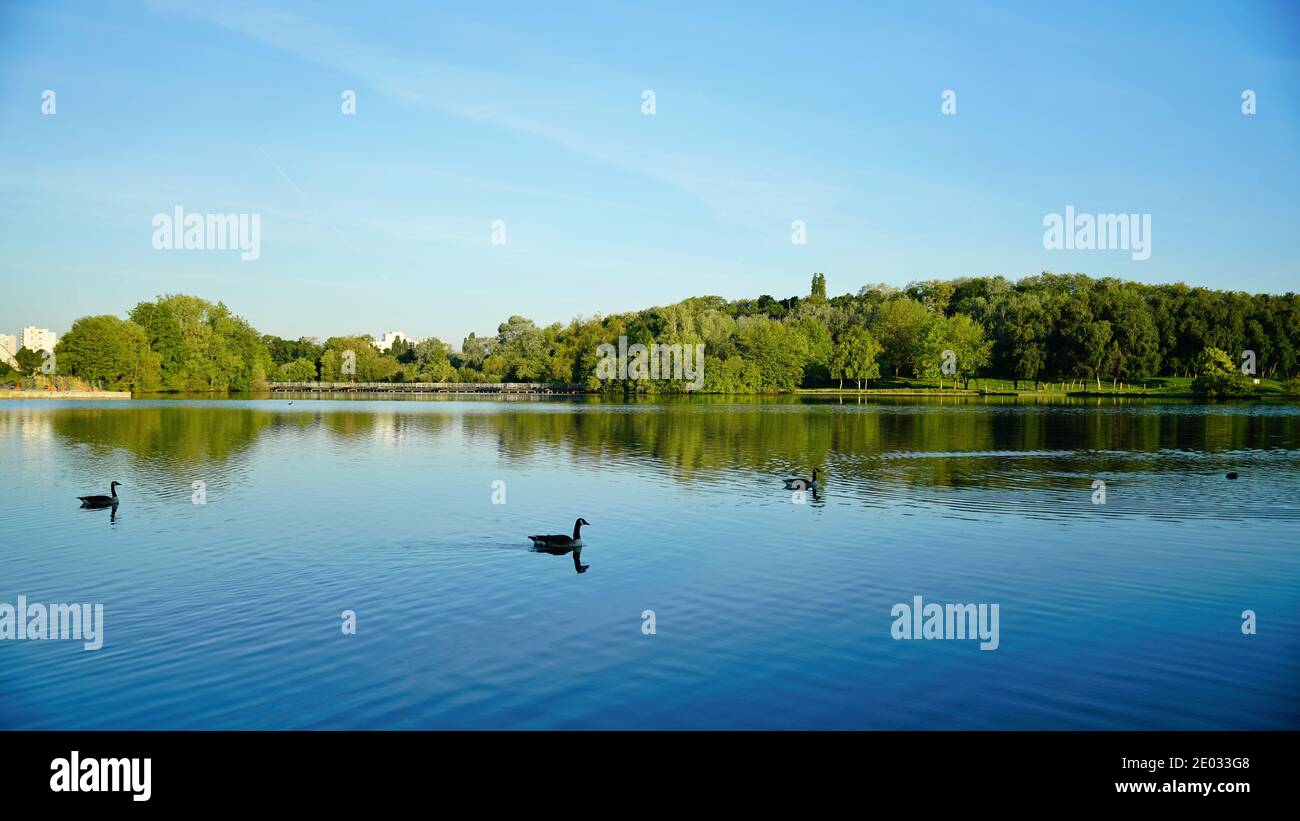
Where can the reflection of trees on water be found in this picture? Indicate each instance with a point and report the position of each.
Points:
(183, 434)
(950, 442)
(956, 443)
(179, 434)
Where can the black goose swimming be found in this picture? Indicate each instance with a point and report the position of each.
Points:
(560, 540)
(804, 484)
(101, 501)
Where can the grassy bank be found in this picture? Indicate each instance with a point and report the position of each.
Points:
(40, 394)
(1170, 387)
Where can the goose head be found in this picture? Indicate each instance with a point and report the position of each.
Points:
(577, 528)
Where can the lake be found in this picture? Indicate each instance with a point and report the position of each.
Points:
(712, 597)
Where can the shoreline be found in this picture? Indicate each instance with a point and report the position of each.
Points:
(39, 394)
(808, 392)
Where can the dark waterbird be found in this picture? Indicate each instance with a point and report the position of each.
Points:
(558, 545)
(101, 501)
(804, 484)
(1232, 475)
(560, 540)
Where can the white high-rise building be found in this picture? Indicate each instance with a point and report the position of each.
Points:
(8, 347)
(37, 339)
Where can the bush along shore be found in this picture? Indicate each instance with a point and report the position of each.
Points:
(55, 387)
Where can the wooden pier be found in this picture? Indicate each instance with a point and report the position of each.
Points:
(535, 388)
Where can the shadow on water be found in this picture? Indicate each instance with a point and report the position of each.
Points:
(555, 550)
(112, 512)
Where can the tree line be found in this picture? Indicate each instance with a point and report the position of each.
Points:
(1044, 328)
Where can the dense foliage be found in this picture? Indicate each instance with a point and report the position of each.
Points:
(176, 343)
(110, 352)
(201, 346)
(1042, 328)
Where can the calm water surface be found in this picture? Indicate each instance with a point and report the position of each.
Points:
(768, 614)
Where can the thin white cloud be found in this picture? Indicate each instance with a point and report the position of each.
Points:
(753, 196)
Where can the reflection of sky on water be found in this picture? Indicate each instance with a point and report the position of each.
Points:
(770, 614)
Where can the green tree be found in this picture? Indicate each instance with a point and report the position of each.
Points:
(330, 364)
(1135, 338)
(1094, 345)
(971, 348)
(29, 361)
(432, 359)
(284, 351)
(1026, 331)
(521, 346)
(203, 346)
(299, 370)
(108, 351)
(778, 350)
(897, 326)
(163, 330)
(475, 349)
(1217, 375)
(818, 286)
(855, 357)
(933, 294)
(370, 364)
(820, 349)
(929, 347)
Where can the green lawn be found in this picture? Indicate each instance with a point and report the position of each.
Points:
(1156, 386)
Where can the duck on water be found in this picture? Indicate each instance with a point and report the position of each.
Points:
(558, 544)
(804, 484)
(101, 501)
(560, 540)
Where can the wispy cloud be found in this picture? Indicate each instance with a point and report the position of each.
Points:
(756, 194)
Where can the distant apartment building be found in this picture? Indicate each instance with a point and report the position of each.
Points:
(386, 341)
(37, 339)
(8, 347)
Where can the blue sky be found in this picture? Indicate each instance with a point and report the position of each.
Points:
(531, 113)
